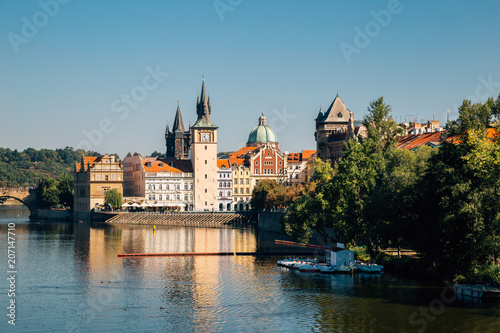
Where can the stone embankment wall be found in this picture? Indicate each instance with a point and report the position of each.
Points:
(204, 219)
(54, 215)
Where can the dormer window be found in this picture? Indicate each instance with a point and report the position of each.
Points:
(339, 115)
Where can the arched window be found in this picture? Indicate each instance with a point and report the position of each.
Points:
(220, 194)
(159, 187)
(221, 207)
(160, 197)
(228, 207)
(228, 193)
(167, 187)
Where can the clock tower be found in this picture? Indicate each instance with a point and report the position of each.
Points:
(204, 155)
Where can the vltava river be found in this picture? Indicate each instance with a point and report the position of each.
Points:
(69, 279)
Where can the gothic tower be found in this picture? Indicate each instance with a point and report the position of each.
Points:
(204, 155)
(333, 128)
(177, 140)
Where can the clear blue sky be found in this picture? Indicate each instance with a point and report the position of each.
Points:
(283, 58)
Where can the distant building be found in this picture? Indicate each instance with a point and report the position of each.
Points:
(163, 183)
(224, 185)
(94, 177)
(297, 167)
(333, 129)
(260, 159)
(178, 139)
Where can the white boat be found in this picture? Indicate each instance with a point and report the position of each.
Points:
(325, 269)
(309, 268)
(368, 268)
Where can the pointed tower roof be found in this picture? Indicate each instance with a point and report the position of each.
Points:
(167, 130)
(203, 110)
(320, 115)
(337, 112)
(178, 123)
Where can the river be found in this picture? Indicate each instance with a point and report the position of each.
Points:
(68, 278)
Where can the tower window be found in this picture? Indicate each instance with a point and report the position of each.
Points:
(206, 176)
(205, 190)
(205, 147)
(205, 161)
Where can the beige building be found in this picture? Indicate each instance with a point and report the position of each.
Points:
(204, 156)
(297, 170)
(94, 177)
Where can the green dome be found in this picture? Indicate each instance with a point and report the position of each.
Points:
(262, 133)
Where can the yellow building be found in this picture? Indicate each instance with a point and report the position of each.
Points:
(94, 177)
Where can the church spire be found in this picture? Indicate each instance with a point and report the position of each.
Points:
(203, 109)
(178, 123)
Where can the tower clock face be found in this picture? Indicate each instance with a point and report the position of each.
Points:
(205, 137)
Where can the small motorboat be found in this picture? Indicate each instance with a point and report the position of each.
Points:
(309, 268)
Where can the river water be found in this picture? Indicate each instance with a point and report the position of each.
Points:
(68, 278)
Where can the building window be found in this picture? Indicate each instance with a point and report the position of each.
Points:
(256, 162)
(256, 171)
(235, 191)
(185, 186)
(228, 193)
(178, 197)
(206, 203)
(241, 191)
(185, 197)
(246, 181)
(178, 187)
(205, 149)
(206, 162)
(191, 197)
(205, 190)
(220, 194)
(167, 187)
(160, 187)
(191, 186)
(236, 181)
(106, 178)
(297, 176)
(167, 197)
(160, 197)
(206, 176)
(246, 191)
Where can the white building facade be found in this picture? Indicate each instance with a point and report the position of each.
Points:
(224, 186)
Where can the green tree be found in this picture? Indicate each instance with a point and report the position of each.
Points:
(357, 174)
(381, 129)
(459, 226)
(114, 198)
(471, 116)
(49, 193)
(259, 194)
(65, 187)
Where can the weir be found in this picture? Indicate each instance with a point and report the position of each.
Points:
(202, 219)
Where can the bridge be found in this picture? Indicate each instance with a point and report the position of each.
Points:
(27, 197)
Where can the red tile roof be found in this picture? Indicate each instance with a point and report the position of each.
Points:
(415, 141)
(154, 165)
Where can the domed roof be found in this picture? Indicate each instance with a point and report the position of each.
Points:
(262, 133)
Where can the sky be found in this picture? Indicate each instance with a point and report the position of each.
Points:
(107, 75)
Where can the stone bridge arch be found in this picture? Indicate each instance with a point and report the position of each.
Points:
(26, 197)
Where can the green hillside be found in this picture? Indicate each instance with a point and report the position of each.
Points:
(25, 168)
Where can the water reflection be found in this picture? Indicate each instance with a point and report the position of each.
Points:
(70, 279)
